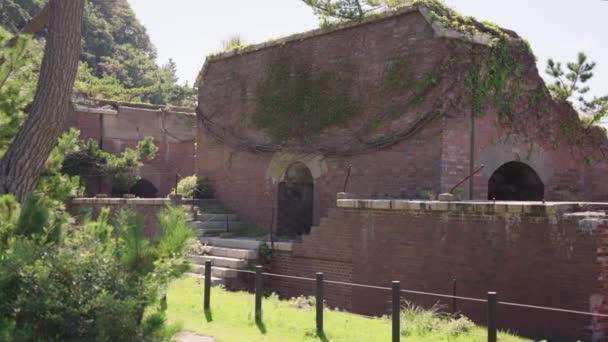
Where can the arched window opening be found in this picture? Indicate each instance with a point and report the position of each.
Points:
(516, 181)
(295, 207)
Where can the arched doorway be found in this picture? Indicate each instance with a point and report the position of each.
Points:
(295, 207)
(144, 189)
(516, 181)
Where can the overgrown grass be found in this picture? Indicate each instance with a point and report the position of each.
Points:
(231, 318)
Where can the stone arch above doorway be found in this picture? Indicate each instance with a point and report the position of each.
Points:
(516, 181)
(295, 201)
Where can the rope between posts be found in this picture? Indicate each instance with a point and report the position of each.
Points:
(430, 294)
(553, 309)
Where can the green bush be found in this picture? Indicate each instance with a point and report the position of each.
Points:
(194, 187)
(94, 281)
(418, 321)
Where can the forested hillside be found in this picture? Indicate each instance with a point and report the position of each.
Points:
(118, 58)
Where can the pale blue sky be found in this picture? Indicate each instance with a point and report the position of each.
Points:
(188, 30)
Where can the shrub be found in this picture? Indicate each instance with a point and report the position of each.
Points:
(194, 187)
(88, 282)
(418, 321)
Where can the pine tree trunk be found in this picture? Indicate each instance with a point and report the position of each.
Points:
(24, 160)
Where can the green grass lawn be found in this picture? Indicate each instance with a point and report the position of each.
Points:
(231, 319)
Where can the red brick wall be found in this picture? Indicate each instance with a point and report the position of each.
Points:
(242, 179)
(536, 259)
(148, 209)
(435, 159)
(600, 305)
(173, 133)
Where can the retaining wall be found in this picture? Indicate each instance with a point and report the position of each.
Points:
(547, 254)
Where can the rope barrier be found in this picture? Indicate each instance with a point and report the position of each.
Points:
(431, 294)
(552, 309)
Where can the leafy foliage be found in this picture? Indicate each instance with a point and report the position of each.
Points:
(118, 56)
(418, 321)
(14, 14)
(194, 187)
(86, 159)
(570, 86)
(91, 281)
(18, 77)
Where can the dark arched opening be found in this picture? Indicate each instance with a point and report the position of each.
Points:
(516, 181)
(295, 207)
(144, 189)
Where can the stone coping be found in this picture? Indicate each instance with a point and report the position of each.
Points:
(93, 110)
(122, 201)
(94, 105)
(482, 207)
(440, 31)
(247, 243)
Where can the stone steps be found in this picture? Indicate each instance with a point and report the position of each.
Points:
(243, 243)
(216, 217)
(209, 232)
(220, 261)
(236, 253)
(225, 225)
(216, 271)
(214, 281)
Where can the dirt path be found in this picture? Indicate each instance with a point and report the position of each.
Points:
(191, 337)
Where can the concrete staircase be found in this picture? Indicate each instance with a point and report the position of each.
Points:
(226, 256)
(210, 219)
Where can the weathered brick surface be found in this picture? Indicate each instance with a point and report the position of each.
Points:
(173, 133)
(536, 260)
(434, 159)
(243, 179)
(147, 209)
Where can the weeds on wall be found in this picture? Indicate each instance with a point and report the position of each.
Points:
(295, 102)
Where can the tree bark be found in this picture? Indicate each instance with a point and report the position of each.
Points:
(24, 160)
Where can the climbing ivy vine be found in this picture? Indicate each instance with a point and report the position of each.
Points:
(295, 102)
(489, 78)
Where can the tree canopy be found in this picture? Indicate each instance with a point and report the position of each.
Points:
(571, 86)
(116, 50)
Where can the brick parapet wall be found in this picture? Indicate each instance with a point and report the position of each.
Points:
(600, 301)
(148, 209)
(531, 253)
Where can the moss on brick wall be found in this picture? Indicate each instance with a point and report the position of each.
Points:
(294, 101)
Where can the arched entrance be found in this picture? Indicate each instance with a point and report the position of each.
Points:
(516, 181)
(295, 207)
(144, 189)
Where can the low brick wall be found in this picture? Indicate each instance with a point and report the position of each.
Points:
(547, 254)
(146, 208)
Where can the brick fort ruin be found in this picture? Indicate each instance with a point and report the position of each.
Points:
(403, 106)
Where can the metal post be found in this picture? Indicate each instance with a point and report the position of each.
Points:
(396, 311)
(454, 307)
(258, 293)
(347, 178)
(491, 316)
(176, 182)
(207, 296)
(163, 303)
(319, 303)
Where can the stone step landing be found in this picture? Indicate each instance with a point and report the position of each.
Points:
(227, 257)
(213, 224)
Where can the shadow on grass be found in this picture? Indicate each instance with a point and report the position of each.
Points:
(261, 326)
(322, 337)
(208, 315)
